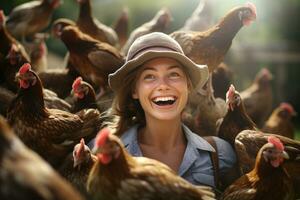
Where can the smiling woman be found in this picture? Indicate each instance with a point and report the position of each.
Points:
(152, 90)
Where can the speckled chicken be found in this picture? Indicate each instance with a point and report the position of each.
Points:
(280, 121)
(159, 23)
(25, 175)
(268, 180)
(94, 28)
(210, 47)
(23, 21)
(50, 132)
(258, 98)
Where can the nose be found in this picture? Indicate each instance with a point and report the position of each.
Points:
(163, 84)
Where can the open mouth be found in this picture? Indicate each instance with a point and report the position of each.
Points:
(164, 101)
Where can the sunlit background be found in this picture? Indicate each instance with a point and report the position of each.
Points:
(273, 41)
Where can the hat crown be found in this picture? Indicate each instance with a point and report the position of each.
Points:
(152, 41)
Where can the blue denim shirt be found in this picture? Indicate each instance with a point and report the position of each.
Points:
(196, 166)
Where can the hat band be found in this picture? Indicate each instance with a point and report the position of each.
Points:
(154, 48)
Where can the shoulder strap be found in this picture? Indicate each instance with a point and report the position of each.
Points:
(215, 160)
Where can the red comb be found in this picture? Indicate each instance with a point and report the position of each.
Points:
(81, 147)
(102, 136)
(25, 68)
(230, 91)
(276, 142)
(77, 82)
(252, 7)
(288, 107)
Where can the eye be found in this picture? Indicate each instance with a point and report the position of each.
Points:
(149, 77)
(174, 75)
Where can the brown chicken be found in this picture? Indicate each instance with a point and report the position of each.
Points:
(50, 132)
(92, 27)
(280, 121)
(121, 27)
(83, 94)
(258, 98)
(51, 100)
(236, 119)
(24, 175)
(222, 77)
(31, 17)
(158, 24)
(117, 175)
(210, 47)
(202, 18)
(93, 60)
(201, 116)
(248, 143)
(268, 180)
(77, 166)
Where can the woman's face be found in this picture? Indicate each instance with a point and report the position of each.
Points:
(162, 89)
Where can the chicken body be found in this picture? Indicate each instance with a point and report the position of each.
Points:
(121, 27)
(23, 20)
(222, 77)
(25, 175)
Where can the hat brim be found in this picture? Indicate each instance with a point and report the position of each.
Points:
(197, 73)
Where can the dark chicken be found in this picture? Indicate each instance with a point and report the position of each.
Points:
(121, 27)
(84, 95)
(280, 121)
(50, 132)
(236, 119)
(92, 27)
(6, 96)
(23, 20)
(268, 180)
(222, 77)
(158, 24)
(24, 175)
(117, 175)
(77, 166)
(210, 47)
(258, 98)
(93, 59)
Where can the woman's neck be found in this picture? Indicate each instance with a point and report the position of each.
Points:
(164, 135)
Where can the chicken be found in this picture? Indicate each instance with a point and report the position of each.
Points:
(280, 121)
(23, 21)
(158, 24)
(50, 132)
(77, 166)
(24, 175)
(201, 19)
(268, 180)
(117, 175)
(201, 116)
(222, 77)
(84, 95)
(6, 96)
(258, 98)
(93, 60)
(248, 143)
(92, 27)
(37, 50)
(210, 47)
(236, 119)
(121, 27)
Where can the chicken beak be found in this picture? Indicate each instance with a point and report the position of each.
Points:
(18, 76)
(76, 163)
(285, 155)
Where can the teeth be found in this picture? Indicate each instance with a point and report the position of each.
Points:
(163, 99)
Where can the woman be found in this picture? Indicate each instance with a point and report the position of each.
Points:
(152, 90)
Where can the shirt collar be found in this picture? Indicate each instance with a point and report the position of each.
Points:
(194, 144)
